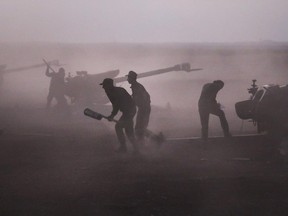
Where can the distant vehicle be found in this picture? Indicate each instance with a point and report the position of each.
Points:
(267, 108)
(84, 88)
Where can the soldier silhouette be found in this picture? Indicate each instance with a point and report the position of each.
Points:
(56, 88)
(123, 102)
(207, 105)
(142, 100)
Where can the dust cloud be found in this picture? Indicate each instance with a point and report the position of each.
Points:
(174, 95)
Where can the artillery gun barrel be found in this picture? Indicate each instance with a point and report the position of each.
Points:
(54, 62)
(156, 72)
(179, 67)
(48, 65)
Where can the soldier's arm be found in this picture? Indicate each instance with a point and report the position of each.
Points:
(48, 73)
(114, 111)
(115, 107)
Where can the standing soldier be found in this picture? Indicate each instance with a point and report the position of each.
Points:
(56, 88)
(207, 104)
(142, 101)
(121, 101)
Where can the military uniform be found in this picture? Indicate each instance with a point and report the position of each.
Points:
(142, 101)
(123, 102)
(56, 88)
(207, 105)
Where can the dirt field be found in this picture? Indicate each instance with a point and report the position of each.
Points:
(53, 166)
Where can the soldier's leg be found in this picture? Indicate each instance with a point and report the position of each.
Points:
(119, 127)
(139, 126)
(49, 100)
(142, 121)
(224, 124)
(129, 130)
(146, 119)
(204, 118)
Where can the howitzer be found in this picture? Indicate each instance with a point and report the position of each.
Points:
(84, 89)
(267, 108)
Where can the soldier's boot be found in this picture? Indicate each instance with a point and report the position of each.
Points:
(159, 139)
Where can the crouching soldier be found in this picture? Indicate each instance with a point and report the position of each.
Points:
(123, 102)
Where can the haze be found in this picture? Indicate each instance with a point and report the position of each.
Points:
(137, 21)
(99, 36)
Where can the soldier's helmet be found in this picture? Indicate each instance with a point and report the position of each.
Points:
(132, 75)
(219, 83)
(107, 82)
(61, 71)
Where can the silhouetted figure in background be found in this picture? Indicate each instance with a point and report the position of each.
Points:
(142, 100)
(207, 105)
(123, 102)
(57, 88)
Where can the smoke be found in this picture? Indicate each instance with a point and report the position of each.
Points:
(175, 92)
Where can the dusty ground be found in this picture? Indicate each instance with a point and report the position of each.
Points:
(69, 167)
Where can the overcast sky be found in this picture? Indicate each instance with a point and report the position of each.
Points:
(143, 20)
